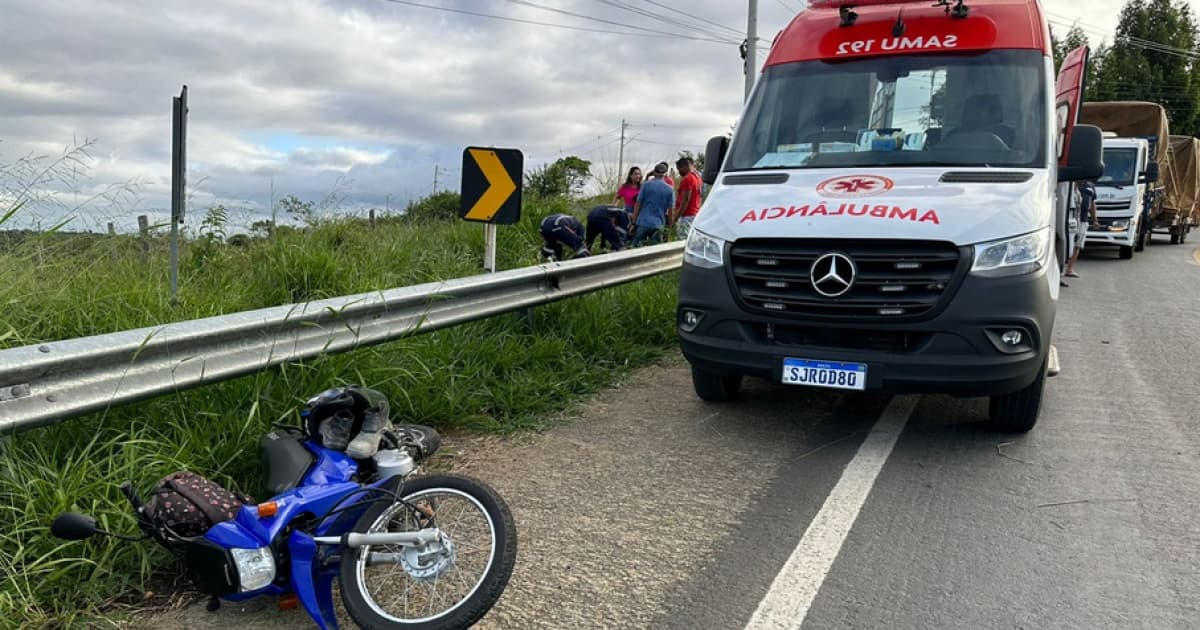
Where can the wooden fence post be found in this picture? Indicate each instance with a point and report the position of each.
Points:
(144, 232)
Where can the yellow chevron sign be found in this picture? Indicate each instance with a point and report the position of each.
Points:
(491, 185)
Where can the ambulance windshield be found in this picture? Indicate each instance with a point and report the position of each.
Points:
(985, 109)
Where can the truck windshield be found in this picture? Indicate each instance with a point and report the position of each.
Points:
(985, 109)
(1118, 167)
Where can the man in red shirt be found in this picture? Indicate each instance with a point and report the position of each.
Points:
(687, 199)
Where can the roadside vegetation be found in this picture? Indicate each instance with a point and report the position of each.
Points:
(492, 376)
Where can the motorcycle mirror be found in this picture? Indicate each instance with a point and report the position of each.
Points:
(74, 526)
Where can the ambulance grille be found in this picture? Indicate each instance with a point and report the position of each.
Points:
(894, 280)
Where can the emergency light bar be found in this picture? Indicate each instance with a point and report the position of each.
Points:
(954, 8)
(837, 4)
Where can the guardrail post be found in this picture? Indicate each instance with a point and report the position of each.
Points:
(144, 233)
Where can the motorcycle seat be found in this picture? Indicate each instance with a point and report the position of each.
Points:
(286, 461)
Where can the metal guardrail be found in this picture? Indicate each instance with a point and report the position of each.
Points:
(47, 383)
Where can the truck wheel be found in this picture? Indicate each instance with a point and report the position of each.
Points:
(1175, 236)
(1126, 252)
(715, 387)
(1017, 412)
(1142, 239)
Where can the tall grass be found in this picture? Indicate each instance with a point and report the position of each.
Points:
(494, 375)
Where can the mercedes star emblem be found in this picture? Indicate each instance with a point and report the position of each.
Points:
(833, 275)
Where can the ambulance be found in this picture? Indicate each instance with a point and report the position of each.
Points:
(887, 215)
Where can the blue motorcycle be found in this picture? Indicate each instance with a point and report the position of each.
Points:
(416, 552)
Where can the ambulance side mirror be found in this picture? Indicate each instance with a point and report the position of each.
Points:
(1085, 155)
(714, 157)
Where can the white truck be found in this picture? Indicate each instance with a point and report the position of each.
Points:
(885, 217)
(1122, 195)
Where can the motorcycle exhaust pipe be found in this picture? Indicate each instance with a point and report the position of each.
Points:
(353, 540)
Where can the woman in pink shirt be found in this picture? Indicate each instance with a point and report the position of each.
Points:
(628, 192)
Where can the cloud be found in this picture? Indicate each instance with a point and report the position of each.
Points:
(368, 97)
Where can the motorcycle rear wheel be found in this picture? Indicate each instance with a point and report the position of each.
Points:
(451, 584)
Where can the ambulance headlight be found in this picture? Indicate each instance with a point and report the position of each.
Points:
(1014, 256)
(704, 251)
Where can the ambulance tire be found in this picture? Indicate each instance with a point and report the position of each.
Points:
(1017, 412)
(715, 387)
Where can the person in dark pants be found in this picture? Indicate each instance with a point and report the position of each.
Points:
(559, 231)
(1085, 211)
(610, 224)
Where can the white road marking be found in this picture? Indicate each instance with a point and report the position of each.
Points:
(794, 589)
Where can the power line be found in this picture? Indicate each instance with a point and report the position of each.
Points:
(613, 22)
(601, 147)
(579, 147)
(667, 144)
(673, 20)
(786, 6)
(699, 19)
(506, 18)
(1138, 42)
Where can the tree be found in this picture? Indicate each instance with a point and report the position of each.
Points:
(291, 204)
(562, 178)
(442, 206)
(1074, 39)
(1145, 63)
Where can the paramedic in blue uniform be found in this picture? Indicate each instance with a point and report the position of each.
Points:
(562, 231)
(610, 224)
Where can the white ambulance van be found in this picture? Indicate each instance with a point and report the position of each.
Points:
(885, 217)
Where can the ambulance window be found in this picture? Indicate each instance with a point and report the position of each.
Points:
(985, 109)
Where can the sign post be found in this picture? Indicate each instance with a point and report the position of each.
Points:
(179, 112)
(491, 193)
(489, 248)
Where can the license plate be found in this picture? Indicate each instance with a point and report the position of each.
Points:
(830, 374)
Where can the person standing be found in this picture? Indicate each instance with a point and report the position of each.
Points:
(628, 192)
(559, 231)
(1086, 211)
(610, 224)
(687, 201)
(655, 200)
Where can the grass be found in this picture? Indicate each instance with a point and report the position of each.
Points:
(494, 375)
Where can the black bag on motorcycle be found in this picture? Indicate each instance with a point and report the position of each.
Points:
(187, 505)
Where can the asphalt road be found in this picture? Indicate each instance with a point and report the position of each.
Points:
(793, 507)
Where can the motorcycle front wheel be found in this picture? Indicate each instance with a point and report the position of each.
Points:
(448, 584)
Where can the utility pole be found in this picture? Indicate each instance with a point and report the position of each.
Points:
(751, 46)
(435, 175)
(621, 155)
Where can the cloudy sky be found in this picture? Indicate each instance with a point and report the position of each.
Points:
(365, 99)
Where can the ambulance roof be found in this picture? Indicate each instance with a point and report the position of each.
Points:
(816, 33)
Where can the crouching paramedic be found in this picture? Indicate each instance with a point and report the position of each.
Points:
(559, 231)
(610, 224)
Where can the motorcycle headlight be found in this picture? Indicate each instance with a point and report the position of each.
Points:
(1013, 257)
(255, 567)
(704, 251)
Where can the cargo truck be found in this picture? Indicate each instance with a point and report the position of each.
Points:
(885, 217)
(1138, 170)
(1179, 207)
